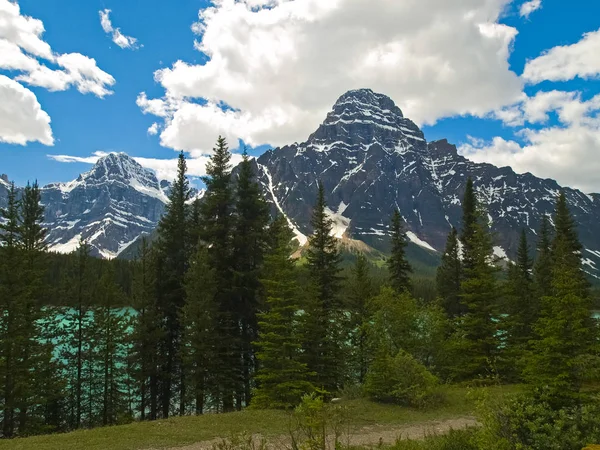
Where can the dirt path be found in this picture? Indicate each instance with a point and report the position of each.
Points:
(366, 436)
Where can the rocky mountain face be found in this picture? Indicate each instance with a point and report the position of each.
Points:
(109, 207)
(371, 159)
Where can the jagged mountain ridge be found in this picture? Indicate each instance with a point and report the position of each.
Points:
(371, 160)
(109, 207)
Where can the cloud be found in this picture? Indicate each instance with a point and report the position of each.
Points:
(528, 7)
(165, 169)
(25, 55)
(280, 65)
(564, 63)
(22, 119)
(153, 130)
(117, 37)
(568, 151)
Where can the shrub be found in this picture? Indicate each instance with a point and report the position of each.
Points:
(527, 423)
(400, 379)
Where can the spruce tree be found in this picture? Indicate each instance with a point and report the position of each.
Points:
(398, 267)
(567, 336)
(109, 331)
(75, 331)
(216, 219)
(12, 298)
(173, 244)
(542, 269)
(361, 290)
(521, 311)
(448, 277)
(147, 330)
(249, 243)
(470, 222)
(200, 318)
(37, 321)
(283, 378)
(323, 321)
(477, 328)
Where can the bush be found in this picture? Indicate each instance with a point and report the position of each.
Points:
(401, 379)
(527, 423)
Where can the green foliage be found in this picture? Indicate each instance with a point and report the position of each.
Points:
(323, 321)
(476, 339)
(527, 423)
(318, 425)
(448, 277)
(398, 267)
(453, 440)
(520, 313)
(282, 379)
(400, 379)
(542, 269)
(564, 354)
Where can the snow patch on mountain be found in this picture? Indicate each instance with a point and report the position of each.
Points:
(421, 243)
(339, 223)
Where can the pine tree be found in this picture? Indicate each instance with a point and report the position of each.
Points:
(398, 267)
(109, 330)
(542, 269)
(216, 218)
(477, 328)
(200, 320)
(37, 321)
(282, 378)
(75, 331)
(147, 332)
(470, 223)
(174, 246)
(566, 332)
(521, 310)
(12, 298)
(249, 243)
(361, 290)
(322, 346)
(448, 277)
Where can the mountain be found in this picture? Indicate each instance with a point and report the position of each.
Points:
(371, 159)
(110, 206)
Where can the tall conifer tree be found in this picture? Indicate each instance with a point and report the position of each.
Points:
(322, 348)
(12, 298)
(542, 269)
(567, 336)
(282, 378)
(217, 222)
(448, 277)
(398, 267)
(173, 244)
(249, 243)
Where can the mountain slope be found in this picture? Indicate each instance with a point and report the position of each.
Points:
(109, 207)
(371, 159)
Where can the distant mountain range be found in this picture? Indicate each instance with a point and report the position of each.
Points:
(371, 160)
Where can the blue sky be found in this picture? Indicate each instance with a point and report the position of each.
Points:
(509, 84)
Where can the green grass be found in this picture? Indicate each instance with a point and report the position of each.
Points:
(180, 431)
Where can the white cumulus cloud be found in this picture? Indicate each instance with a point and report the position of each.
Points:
(29, 59)
(528, 7)
(21, 117)
(564, 63)
(279, 66)
(117, 37)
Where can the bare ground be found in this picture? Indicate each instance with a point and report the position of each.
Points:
(370, 436)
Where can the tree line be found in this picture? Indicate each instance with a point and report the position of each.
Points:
(226, 312)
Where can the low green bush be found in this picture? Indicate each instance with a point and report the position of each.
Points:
(527, 423)
(401, 379)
